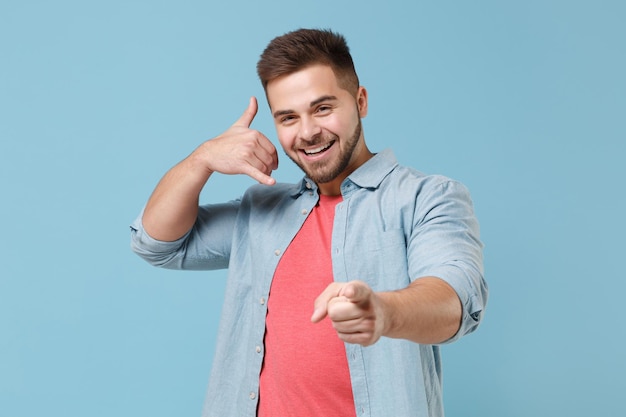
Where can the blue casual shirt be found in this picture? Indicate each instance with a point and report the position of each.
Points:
(393, 226)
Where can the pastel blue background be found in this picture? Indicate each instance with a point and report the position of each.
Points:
(524, 102)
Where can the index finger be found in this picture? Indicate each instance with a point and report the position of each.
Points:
(356, 291)
(321, 302)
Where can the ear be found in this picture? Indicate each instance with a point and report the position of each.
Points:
(361, 101)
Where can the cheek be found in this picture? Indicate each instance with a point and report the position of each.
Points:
(340, 124)
(285, 138)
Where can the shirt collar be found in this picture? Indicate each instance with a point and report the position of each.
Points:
(368, 175)
(372, 172)
(306, 184)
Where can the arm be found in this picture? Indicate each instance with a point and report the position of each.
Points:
(446, 299)
(173, 206)
(427, 311)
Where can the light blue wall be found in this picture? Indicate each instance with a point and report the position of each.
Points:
(524, 102)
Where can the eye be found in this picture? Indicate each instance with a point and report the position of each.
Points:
(324, 108)
(287, 119)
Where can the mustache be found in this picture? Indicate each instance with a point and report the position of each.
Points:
(317, 139)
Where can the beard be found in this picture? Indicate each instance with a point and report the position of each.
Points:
(326, 171)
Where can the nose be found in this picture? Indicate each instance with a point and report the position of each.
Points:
(309, 129)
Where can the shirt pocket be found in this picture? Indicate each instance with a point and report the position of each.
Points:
(384, 263)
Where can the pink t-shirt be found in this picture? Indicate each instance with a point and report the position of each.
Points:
(305, 371)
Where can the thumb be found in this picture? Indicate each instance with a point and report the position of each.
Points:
(248, 115)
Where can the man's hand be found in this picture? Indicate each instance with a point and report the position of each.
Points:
(173, 206)
(240, 150)
(427, 311)
(355, 311)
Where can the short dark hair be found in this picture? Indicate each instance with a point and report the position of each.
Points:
(299, 49)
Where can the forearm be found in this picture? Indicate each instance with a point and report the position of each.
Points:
(173, 206)
(428, 311)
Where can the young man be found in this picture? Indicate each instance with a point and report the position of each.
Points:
(340, 286)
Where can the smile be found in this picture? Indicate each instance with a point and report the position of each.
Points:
(319, 149)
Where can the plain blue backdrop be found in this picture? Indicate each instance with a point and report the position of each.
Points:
(524, 102)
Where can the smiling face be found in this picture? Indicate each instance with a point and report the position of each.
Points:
(319, 124)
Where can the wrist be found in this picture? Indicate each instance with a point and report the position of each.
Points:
(387, 313)
(198, 166)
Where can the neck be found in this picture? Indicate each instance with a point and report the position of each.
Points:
(334, 187)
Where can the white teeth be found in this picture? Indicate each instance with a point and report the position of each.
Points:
(318, 150)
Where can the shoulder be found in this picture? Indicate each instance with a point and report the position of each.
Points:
(260, 194)
(411, 181)
(422, 196)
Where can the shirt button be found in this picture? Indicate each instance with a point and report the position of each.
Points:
(252, 395)
(277, 252)
(304, 211)
(258, 349)
(308, 185)
(262, 301)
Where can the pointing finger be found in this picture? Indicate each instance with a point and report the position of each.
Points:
(356, 291)
(321, 302)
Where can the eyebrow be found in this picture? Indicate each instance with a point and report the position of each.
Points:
(321, 100)
(311, 104)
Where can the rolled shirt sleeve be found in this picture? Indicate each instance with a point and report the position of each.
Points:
(445, 243)
(206, 246)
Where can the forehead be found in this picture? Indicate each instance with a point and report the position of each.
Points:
(294, 90)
